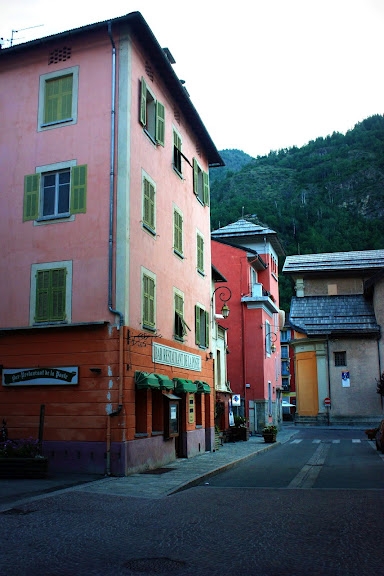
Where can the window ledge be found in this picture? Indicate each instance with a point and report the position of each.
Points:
(141, 435)
(56, 123)
(157, 433)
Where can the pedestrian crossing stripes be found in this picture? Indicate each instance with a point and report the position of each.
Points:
(319, 441)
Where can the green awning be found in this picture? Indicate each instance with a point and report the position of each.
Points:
(165, 382)
(183, 385)
(202, 387)
(145, 381)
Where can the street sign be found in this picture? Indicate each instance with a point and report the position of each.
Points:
(327, 401)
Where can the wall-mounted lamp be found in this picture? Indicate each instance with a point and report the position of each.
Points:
(223, 292)
(95, 370)
(209, 356)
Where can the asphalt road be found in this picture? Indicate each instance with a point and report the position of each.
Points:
(324, 459)
(213, 530)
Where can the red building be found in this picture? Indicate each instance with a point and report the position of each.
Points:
(247, 254)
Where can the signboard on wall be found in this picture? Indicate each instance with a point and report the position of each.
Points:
(40, 376)
(345, 380)
(174, 357)
(236, 400)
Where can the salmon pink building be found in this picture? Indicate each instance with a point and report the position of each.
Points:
(247, 255)
(106, 266)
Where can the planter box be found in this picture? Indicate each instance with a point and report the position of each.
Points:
(23, 467)
(269, 438)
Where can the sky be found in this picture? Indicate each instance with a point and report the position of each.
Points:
(263, 74)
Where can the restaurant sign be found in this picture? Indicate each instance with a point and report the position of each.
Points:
(174, 357)
(40, 376)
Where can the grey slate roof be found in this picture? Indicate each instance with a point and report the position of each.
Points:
(362, 260)
(243, 229)
(332, 315)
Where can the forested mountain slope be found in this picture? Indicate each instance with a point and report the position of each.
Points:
(326, 196)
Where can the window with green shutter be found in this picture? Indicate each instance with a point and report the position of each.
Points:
(201, 327)
(149, 205)
(181, 326)
(200, 183)
(148, 302)
(50, 295)
(55, 194)
(151, 114)
(177, 232)
(58, 99)
(200, 254)
(177, 152)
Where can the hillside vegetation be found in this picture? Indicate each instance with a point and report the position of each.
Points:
(326, 196)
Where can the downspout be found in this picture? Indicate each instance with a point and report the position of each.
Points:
(110, 256)
(329, 381)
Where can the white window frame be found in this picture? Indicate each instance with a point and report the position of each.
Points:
(74, 70)
(67, 264)
(42, 170)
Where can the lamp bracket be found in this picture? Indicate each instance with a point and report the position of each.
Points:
(141, 338)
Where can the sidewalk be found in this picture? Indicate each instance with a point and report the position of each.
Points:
(174, 477)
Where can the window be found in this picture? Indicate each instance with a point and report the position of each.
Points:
(285, 383)
(148, 299)
(200, 253)
(149, 213)
(200, 183)
(268, 340)
(201, 327)
(51, 296)
(152, 114)
(55, 191)
(180, 325)
(177, 153)
(284, 352)
(340, 358)
(177, 232)
(58, 94)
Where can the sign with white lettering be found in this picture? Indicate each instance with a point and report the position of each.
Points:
(40, 376)
(173, 357)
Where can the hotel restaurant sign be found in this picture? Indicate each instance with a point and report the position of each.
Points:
(40, 376)
(174, 357)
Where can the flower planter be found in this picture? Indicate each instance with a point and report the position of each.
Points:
(269, 438)
(23, 467)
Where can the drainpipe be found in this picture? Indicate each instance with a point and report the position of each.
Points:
(110, 255)
(329, 381)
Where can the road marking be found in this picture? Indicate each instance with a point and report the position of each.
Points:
(316, 441)
(308, 474)
(335, 441)
(355, 441)
(296, 441)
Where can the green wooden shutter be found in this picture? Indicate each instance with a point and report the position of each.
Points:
(42, 296)
(206, 188)
(57, 299)
(160, 123)
(200, 253)
(31, 197)
(197, 325)
(195, 177)
(148, 301)
(178, 231)
(143, 102)
(58, 99)
(149, 204)
(207, 328)
(50, 295)
(79, 189)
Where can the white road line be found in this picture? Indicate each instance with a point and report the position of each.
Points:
(308, 474)
(355, 441)
(335, 441)
(316, 441)
(296, 441)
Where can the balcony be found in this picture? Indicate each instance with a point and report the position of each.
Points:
(260, 298)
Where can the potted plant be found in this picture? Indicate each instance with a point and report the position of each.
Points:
(240, 431)
(269, 433)
(21, 459)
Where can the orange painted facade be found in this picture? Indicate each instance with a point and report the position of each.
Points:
(92, 193)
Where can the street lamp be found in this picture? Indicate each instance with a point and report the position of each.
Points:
(224, 295)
